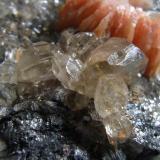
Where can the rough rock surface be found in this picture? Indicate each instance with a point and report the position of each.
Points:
(34, 120)
(47, 130)
(35, 131)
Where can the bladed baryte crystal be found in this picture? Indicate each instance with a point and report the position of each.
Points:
(101, 69)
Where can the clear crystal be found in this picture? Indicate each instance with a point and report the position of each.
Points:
(8, 72)
(121, 56)
(72, 62)
(101, 69)
(111, 95)
(34, 63)
(111, 98)
(118, 127)
(68, 60)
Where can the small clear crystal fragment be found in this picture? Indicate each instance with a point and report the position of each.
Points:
(111, 95)
(34, 63)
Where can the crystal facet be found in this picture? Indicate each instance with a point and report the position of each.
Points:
(34, 63)
(111, 95)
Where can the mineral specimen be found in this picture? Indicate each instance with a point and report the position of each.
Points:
(100, 68)
(35, 117)
(116, 19)
(101, 72)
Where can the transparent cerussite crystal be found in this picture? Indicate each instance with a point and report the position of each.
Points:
(34, 63)
(111, 95)
(101, 69)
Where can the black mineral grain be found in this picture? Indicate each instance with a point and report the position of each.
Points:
(36, 131)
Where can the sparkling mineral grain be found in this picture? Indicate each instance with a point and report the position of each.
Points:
(145, 114)
(28, 19)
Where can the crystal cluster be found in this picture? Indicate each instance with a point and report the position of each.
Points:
(101, 69)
